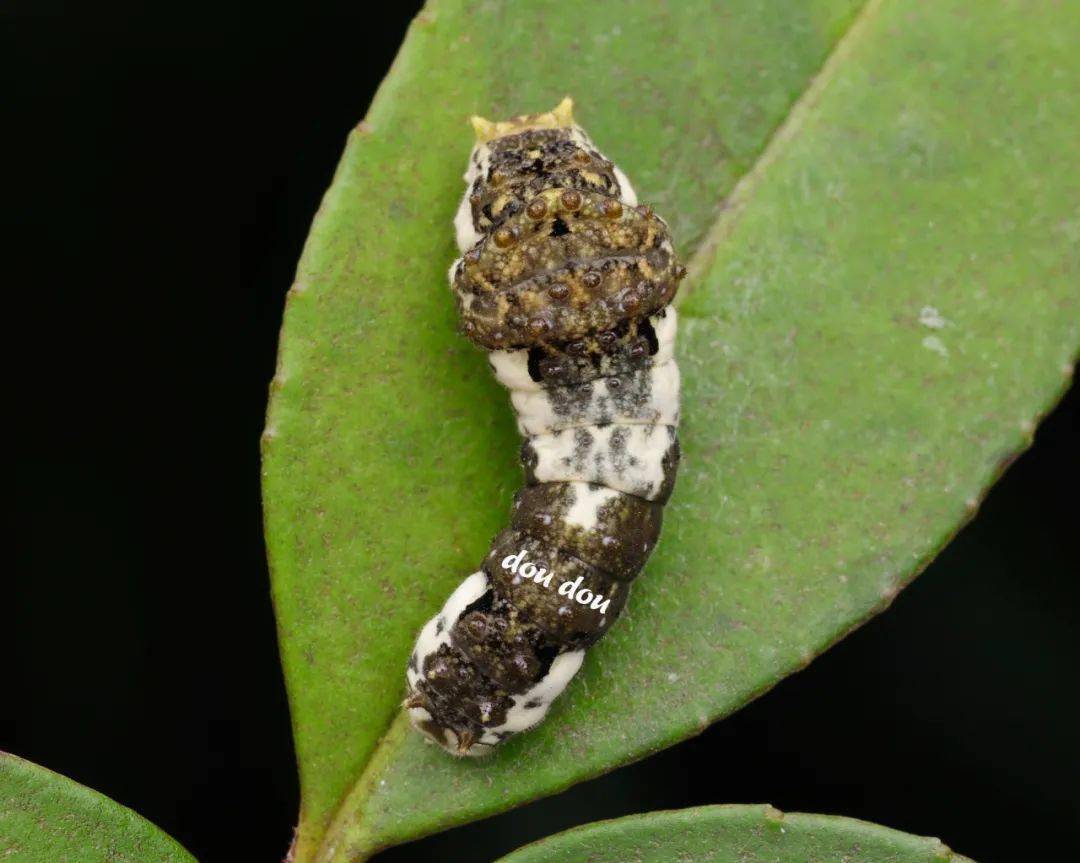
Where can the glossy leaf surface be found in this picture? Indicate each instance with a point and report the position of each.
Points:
(883, 300)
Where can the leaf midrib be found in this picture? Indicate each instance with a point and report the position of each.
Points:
(781, 137)
(786, 131)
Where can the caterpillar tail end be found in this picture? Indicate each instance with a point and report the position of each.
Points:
(559, 117)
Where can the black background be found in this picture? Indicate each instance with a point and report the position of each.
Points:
(163, 171)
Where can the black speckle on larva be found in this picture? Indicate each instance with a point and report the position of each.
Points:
(583, 444)
(672, 455)
(617, 443)
(569, 268)
(529, 461)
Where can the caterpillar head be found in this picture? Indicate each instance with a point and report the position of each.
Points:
(476, 676)
(446, 697)
(455, 739)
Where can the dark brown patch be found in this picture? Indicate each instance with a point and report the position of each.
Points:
(627, 527)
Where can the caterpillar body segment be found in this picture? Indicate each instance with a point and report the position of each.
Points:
(566, 281)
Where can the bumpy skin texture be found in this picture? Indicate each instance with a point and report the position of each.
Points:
(566, 281)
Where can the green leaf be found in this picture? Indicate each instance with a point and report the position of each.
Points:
(878, 312)
(749, 834)
(47, 818)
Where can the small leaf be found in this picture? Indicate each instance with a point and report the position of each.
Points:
(878, 313)
(47, 818)
(749, 834)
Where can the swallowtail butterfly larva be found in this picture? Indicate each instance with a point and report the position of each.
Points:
(566, 281)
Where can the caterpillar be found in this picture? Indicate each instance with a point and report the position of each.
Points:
(566, 281)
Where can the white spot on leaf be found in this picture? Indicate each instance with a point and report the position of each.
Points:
(933, 343)
(931, 317)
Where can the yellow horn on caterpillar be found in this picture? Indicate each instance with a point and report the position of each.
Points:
(559, 117)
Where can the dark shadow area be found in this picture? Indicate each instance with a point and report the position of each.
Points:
(167, 163)
(165, 168)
